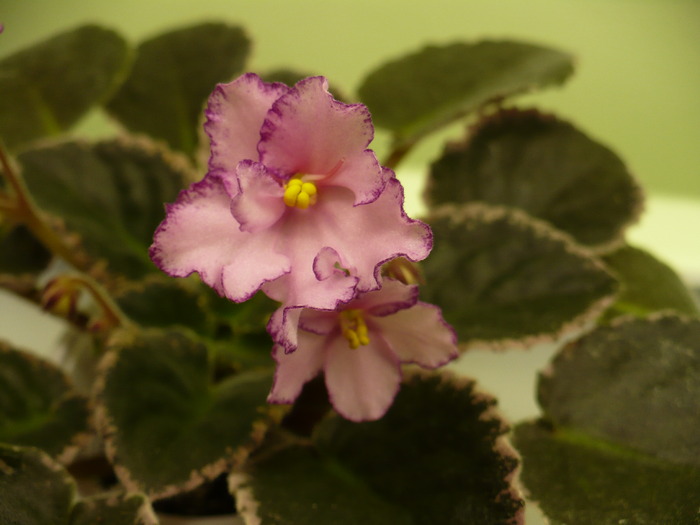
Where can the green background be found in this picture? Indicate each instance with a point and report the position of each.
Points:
(636, 87)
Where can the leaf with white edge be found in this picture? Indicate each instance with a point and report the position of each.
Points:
(113, 509)
(171, 78)
(35, 489)
(438, 456)
(39, 406)
(110, 194)
(635, 383)
(581, 481)
(423, 91)
(168, 426)
(648, 285)
(544, 166)
(505, 279)
(46, 88)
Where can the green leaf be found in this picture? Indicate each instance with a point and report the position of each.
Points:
(635, 383)
(421, 92)
(545, 167)
(503, 278)
(648, 285)
(39, 406)
(35, 489)
(172, 76)
(110, 193)
(46, 88)
(163, 302)
(437, 456)
(22, 258)
(579, 481)
(114, 509)
(168, 426)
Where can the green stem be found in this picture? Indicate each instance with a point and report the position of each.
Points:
(112, 314)
(20, 206)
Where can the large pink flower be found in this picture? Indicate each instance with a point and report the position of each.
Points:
(360, 348)
(293, 202)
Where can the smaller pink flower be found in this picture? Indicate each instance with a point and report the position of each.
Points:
(360, 348)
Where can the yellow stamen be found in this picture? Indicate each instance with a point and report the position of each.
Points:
(298, 194)
(354, 328)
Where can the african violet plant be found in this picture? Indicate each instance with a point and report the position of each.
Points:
(246, 344)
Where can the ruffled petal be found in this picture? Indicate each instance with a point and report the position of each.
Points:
(309, 132)
(419, 335)
(258, 204)
(199, 234)
(390, 298)
(296, 368)
(234, 115)
(361, 383)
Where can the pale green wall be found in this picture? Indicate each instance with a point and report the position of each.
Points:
(636, 88)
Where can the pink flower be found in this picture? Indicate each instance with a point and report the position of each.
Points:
(360, 348)
(293, 202)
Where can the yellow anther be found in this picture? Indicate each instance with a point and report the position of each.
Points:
(354, 328)
(298, 194)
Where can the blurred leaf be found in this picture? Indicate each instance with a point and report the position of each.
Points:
(648, 285)
(164, 302)
(423, 91)
(21, 252)
(545, 167)
(579, 481)
(110, 193)
(39, 406)
(503, 278)
(173, 75)
(46, 88)
(635, 383)
(437, 456)
(113, 509)
(35, 489)
(168, 426)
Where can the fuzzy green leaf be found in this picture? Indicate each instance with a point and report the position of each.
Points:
(169, 427)
(21, 252)
(111, 194)
(635, 383)
(544, 166)
(421, 92)
(113, 509)
(580, 481)
(35, 489)
(648, 285)
(437, 456)
(172, 76)
(502, 277)
(46, 88)
(38, 405)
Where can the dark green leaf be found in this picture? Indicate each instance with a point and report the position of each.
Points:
(35, 490)
(635, 383)
(38, 405)
(21, 252)
(648, 285)
(113, 509)
(172, 76)
(111, 194)
(579, 481)
(163, 302)
(437, 456)
(46, 88)
(169, 427)
(544, 166)
(502, 277)
(418, 93)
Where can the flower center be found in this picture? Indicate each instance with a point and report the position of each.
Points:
(353, 327)
(299, 194)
